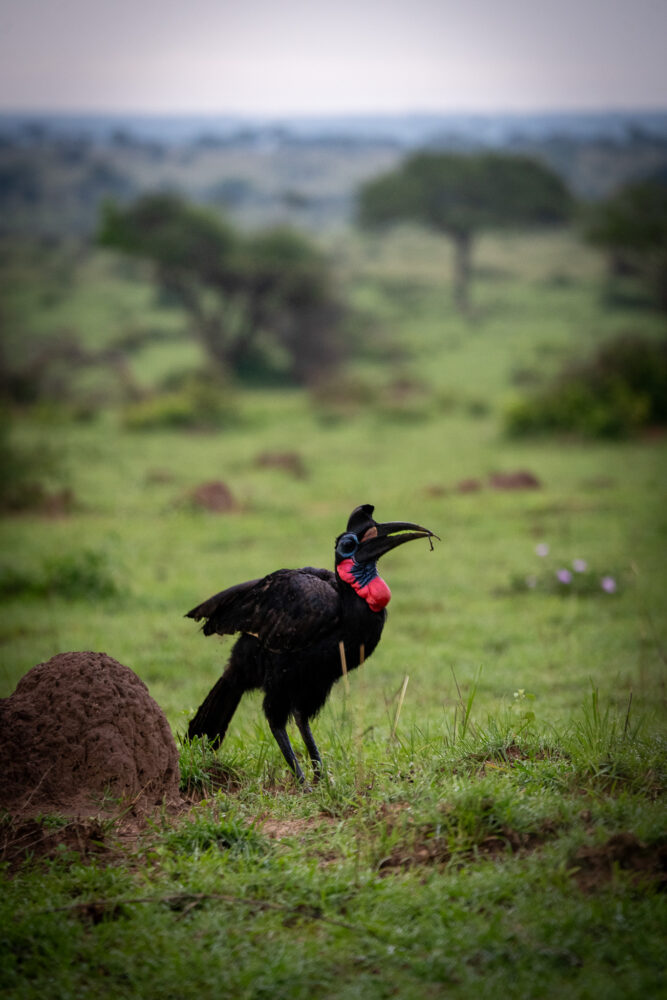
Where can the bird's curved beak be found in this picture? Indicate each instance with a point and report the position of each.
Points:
(383, 537)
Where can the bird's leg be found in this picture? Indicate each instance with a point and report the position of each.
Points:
(282, 739)
(311, 745)
(277, 713)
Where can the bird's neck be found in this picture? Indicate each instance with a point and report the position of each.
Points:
(366, 582)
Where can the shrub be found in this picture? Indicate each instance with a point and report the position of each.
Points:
(618, 391)
(26, 472)
(87, 574)
(632, 227)
(83, 575)
(200, 404)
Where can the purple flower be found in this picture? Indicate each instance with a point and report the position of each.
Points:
(580, 565)
(608, 584)
(564, 575)
(542, 549)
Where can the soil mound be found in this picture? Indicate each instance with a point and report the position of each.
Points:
(522, 479)
(215, 496)
(289, 461)
(80, 730)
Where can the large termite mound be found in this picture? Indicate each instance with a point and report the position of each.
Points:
(79, 734)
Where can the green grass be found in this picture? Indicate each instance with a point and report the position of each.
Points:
(462, 846)
(434, 865)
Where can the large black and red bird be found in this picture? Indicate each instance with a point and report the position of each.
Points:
(300, 629)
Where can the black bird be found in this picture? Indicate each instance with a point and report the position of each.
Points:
(301, 628)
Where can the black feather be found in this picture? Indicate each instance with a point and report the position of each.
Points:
(286, 610)
(292, 624)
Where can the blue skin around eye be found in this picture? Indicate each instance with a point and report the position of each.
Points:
(347, 545)
(363, 572)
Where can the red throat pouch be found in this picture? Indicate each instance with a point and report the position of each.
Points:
(376, 592)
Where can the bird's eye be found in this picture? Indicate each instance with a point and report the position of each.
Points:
(347, 544)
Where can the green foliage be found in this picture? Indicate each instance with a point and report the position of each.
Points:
(83, 575)
(213, 828)
(509, 832)
(632, 227)
(201, 770)
(619, 390)
(635, 218)
(480, 866)
(26, 471)
(242, 293)
(462, 194)
(199, 404)
(178, 237)
(87, 575)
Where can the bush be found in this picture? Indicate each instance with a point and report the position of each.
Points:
(85, 575)
(615, 393)
(632, 227)
(200, 404)
(27, 472)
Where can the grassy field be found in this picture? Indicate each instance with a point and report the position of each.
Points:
(499, 829)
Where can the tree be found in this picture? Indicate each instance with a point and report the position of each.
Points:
(462, 195)
(248, 297)
(632, 227)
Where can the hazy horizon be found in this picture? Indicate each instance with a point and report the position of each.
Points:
(333, 115)
(306, 59)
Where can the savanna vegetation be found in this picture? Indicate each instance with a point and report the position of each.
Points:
(631, 227)
(461, 196)
(492, 814)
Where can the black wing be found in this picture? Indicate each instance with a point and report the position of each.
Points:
(287, 610)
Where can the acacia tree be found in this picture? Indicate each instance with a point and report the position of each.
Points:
(463, 195)
(632, 227)
(269, 292)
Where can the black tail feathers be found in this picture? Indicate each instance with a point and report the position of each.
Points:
(216, 711)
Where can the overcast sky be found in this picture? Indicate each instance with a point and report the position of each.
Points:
(309, 56)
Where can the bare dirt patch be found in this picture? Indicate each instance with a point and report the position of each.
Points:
(595, 866)
(430, 844)
(277, 829)
(49, 836)
(517, 479)
(429, 849)
(521, 479)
